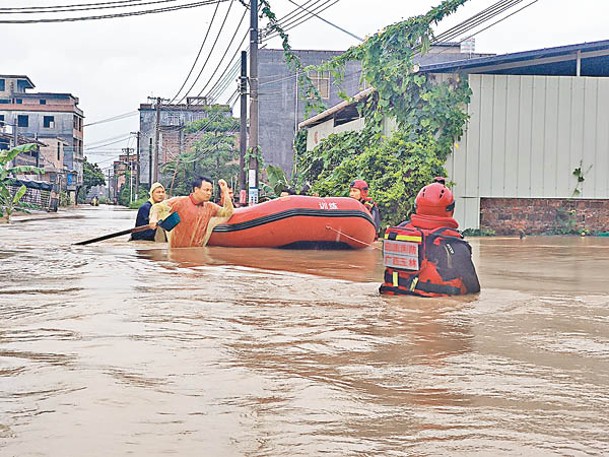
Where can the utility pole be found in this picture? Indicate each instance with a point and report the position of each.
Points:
(150, 181)
(156, 139)
(243, 129)
(253, 138)
(137, 164)
(130, 171)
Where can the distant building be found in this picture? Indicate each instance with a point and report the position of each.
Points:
(48, 117)
(281, 108)
(162, 136)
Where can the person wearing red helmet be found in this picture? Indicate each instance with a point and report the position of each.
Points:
(359, 191)
(434, 206)
(427, 255)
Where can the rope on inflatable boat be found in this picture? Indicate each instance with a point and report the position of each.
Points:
(351, 238)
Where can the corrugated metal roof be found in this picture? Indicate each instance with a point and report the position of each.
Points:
(591, 58)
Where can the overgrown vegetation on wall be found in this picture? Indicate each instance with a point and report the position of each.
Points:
(430, 116)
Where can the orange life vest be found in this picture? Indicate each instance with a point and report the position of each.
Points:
(429, 262)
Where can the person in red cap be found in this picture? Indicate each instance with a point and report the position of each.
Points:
(359, 191)
(427, 255)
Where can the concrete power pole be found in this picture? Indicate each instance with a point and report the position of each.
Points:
(137, 164)
(243, 129)
(253, 137)
(156, 140)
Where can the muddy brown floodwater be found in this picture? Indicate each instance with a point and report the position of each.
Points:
(121, 348)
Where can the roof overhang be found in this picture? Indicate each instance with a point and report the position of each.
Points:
(586, 59)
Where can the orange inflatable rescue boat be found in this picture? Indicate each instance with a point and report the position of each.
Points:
(298, 221)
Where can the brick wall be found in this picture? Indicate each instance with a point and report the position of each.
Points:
(511, 216)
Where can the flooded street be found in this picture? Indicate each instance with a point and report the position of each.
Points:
(120, 348)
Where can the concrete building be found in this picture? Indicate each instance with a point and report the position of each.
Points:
(162, 135)
(46, 116)
(281, 108)
(535, 154)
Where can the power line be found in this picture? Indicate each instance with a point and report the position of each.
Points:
(304, 17)
(327, 22)
(27, 8)
(210, 51)
(232, 40)
(113, 16)
(198, 54)
(88, 7)
(118, 117)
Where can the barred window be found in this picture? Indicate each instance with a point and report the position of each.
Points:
(321, 81)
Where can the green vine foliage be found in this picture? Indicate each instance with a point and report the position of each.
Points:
(429, 112)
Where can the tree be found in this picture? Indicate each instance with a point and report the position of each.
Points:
(213, 154)
(9, 199)
(92, 176)
(429, 113)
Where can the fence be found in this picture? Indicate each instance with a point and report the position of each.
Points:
(39, 195)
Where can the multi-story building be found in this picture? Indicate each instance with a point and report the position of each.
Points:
(47, 116)
(162, 135)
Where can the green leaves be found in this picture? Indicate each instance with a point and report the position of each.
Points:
(9, 201)
(430, 116)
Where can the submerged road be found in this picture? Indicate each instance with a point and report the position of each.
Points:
(121, 348)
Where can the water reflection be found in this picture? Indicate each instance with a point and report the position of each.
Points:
(126, 348)
(352, 265)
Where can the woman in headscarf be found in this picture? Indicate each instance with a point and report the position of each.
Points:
(157, 195)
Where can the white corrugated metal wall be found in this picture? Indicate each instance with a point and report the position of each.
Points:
(526, 136)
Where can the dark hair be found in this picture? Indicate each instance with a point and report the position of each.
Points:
(199, 180)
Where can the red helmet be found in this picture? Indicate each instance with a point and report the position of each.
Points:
(361, 185)
(435, 199)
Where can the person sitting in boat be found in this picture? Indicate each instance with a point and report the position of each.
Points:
(157, 195)
(427, 255)
(196, 211)
(359, 191)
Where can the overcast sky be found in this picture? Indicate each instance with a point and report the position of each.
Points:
(113, 65)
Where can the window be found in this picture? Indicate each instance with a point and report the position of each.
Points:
(1, 119)
(19, 101)
(43, 101)
(4, 101)
(23, 120)
(58, 150)
(48, 122)
(321, 82)
(2, 84)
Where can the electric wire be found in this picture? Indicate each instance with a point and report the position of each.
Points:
(213, 46)
(232, 69)
(98, 6)
(28, 8)
(327, 22)
(118, 117)
(113, 16)
(198, 54)
(232, 40)
(304, 17)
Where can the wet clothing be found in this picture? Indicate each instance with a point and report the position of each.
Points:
(143, 218)
(192, 231)
(428, 257)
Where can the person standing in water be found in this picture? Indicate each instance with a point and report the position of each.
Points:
(359, 191)
(157, 195)
(195, 211)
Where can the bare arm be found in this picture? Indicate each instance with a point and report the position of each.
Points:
(227, 209)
